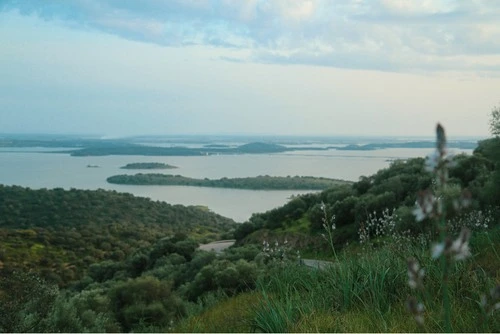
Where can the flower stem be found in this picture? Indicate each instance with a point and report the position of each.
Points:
(444, 277)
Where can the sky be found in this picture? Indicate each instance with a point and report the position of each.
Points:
(253, 67)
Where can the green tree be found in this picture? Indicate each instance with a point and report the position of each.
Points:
(495, 121)
(25, 301)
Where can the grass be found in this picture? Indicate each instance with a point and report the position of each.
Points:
(362, 293)
(230, 315)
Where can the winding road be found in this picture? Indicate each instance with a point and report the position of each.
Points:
(220, 246)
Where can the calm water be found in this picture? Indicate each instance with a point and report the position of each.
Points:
(50, 170)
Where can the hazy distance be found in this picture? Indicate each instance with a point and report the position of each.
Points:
(323, 68)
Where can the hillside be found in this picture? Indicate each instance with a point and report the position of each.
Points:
(390, 188)
(59, 233)
(130, 264)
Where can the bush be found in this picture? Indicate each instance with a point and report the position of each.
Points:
(144, 300)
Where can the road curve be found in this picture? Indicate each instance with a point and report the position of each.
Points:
(217, 246)
(221, 245)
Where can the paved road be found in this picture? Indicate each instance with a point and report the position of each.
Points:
(217, 246)
(317, 264)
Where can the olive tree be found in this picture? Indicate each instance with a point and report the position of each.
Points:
(495, 121)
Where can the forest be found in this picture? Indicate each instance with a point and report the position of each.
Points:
(265, 182)
(101, 261)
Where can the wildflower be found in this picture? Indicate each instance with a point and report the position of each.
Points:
(440, 160)
(441, 138)
(437, 250)
(417, 309)
(432, 161)
(458, 249)
(415, 274)
(463, 201)
(424, 205)
(491, 303)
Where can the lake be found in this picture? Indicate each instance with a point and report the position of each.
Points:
(35, 169)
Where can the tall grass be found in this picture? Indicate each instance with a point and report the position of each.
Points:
(367, 292)
(229, 315)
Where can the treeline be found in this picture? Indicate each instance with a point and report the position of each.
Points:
(393, 187)
(148, 165)
(59, 233)
(255, 183)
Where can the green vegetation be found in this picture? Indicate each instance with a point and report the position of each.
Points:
(99, 261)
(366, 287)
(148, 165)
(255, 183)
(59, 233)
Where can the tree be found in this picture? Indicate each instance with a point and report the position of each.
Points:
(495, 121)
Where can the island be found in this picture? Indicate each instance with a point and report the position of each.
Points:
(260, 182)
(148, 165)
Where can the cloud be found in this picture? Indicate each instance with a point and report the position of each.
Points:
(387, 35)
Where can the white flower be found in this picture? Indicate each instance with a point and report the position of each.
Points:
(424, 205)
(419, 214)
(431, 161)
(460, 247)
(437, 250)
(415, 274)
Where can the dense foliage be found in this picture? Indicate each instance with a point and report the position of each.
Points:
(59, 233)
(147, 290)
(394, 187)
(256, 183)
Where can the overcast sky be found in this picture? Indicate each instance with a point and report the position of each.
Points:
(312, 67)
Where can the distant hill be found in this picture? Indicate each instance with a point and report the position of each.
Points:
(259, 147)
(415, 144)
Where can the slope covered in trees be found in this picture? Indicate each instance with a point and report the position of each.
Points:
(390, 188)
(59, 233)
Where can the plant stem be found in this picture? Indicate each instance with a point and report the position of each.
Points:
(444, 282)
